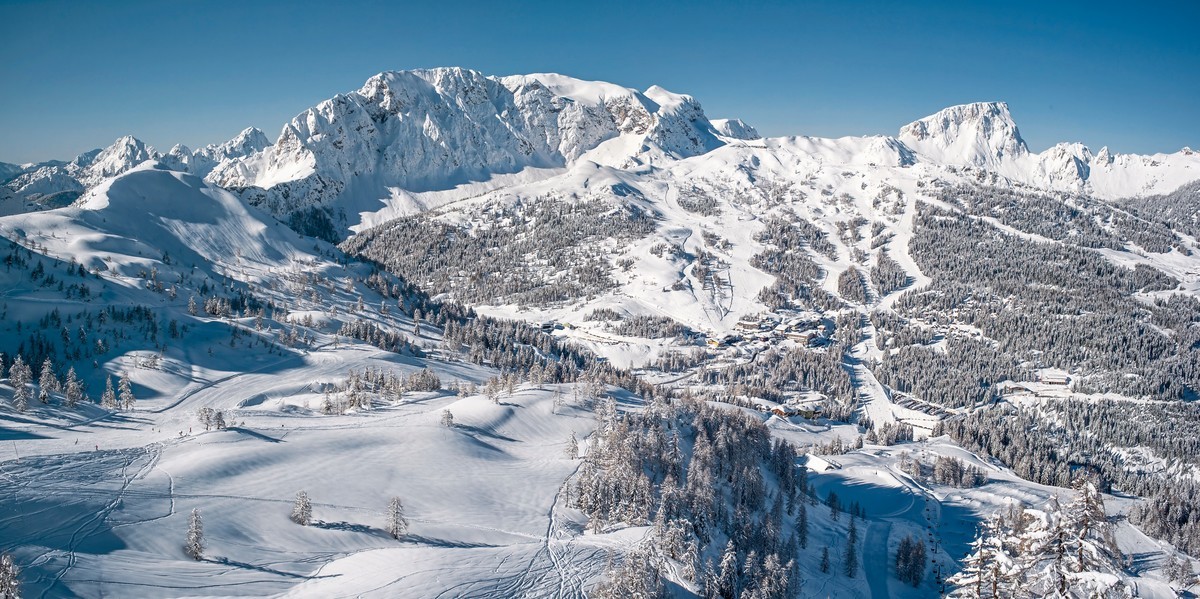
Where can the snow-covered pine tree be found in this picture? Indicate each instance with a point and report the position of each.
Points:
(825, 559)
(1092, 544)
(492, 389)
(109, 398)
(447, 418)
(195, 536)
(727, 573)
(302, 509)
(47, 382)
(989, 570)
(19, 376)
(397, 524)
(126, 392)
(74, 388)
(10, 581)
(572, 450)
(639, 576)
(969, 581)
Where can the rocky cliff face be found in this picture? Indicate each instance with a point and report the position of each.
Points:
(434, 129)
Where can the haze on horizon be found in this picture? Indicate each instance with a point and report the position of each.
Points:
(1101, 73)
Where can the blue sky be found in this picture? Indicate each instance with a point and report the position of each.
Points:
(77, 75)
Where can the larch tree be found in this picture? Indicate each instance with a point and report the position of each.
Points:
(302, 509)
(74, 388)
(47, 382)
(109, 398)
(19, 376)
(397, 524)
(10, 581)
(572, 450)
(195, 536)
(126, 392)
(851, 562)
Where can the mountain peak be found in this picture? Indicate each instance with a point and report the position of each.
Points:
(735, 128)
(124, 153)
(434, 129)
(981, 134)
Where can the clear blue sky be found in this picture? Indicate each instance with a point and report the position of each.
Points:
(76, 75)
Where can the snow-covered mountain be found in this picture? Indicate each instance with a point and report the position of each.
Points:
(435, 129)
(984, 135)
(55, 183)
(981, 134)
(702, 294)
(204, 160)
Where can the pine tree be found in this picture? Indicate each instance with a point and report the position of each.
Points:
(302, 509)
(572, 450)
(802, 523)
(47, 382)
(10, 578)
(195, 536)
(126, 392)
(970, 581)
(727, 573)
(192, 305)
(447, 418)
(109, 398)
(397, 524)
(910, 560)
(1091, 543)
(639, 576)
(19, 376)
(74, 388)
(852, 550)
(825, 559)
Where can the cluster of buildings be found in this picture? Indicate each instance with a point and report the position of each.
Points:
(806, 330)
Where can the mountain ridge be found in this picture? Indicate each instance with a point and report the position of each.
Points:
(433, 130)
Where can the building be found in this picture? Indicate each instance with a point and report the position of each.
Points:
(746, 326)
(802, 337)
(1055, 377)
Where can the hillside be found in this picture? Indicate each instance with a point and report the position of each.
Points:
(538, 336)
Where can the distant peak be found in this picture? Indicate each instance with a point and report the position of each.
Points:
(980, 133)
(990, 115)
(250, 132)
(129, 146)
(735, 128)
(251, 139)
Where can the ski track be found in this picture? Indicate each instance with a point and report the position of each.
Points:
(875, 558)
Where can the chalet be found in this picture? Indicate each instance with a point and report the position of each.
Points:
(801, 336)
(1055, 377)
(747, 326)
(1014, 389)
(548, 326)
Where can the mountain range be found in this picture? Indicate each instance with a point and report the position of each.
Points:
(411, 132)
(460, 335)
